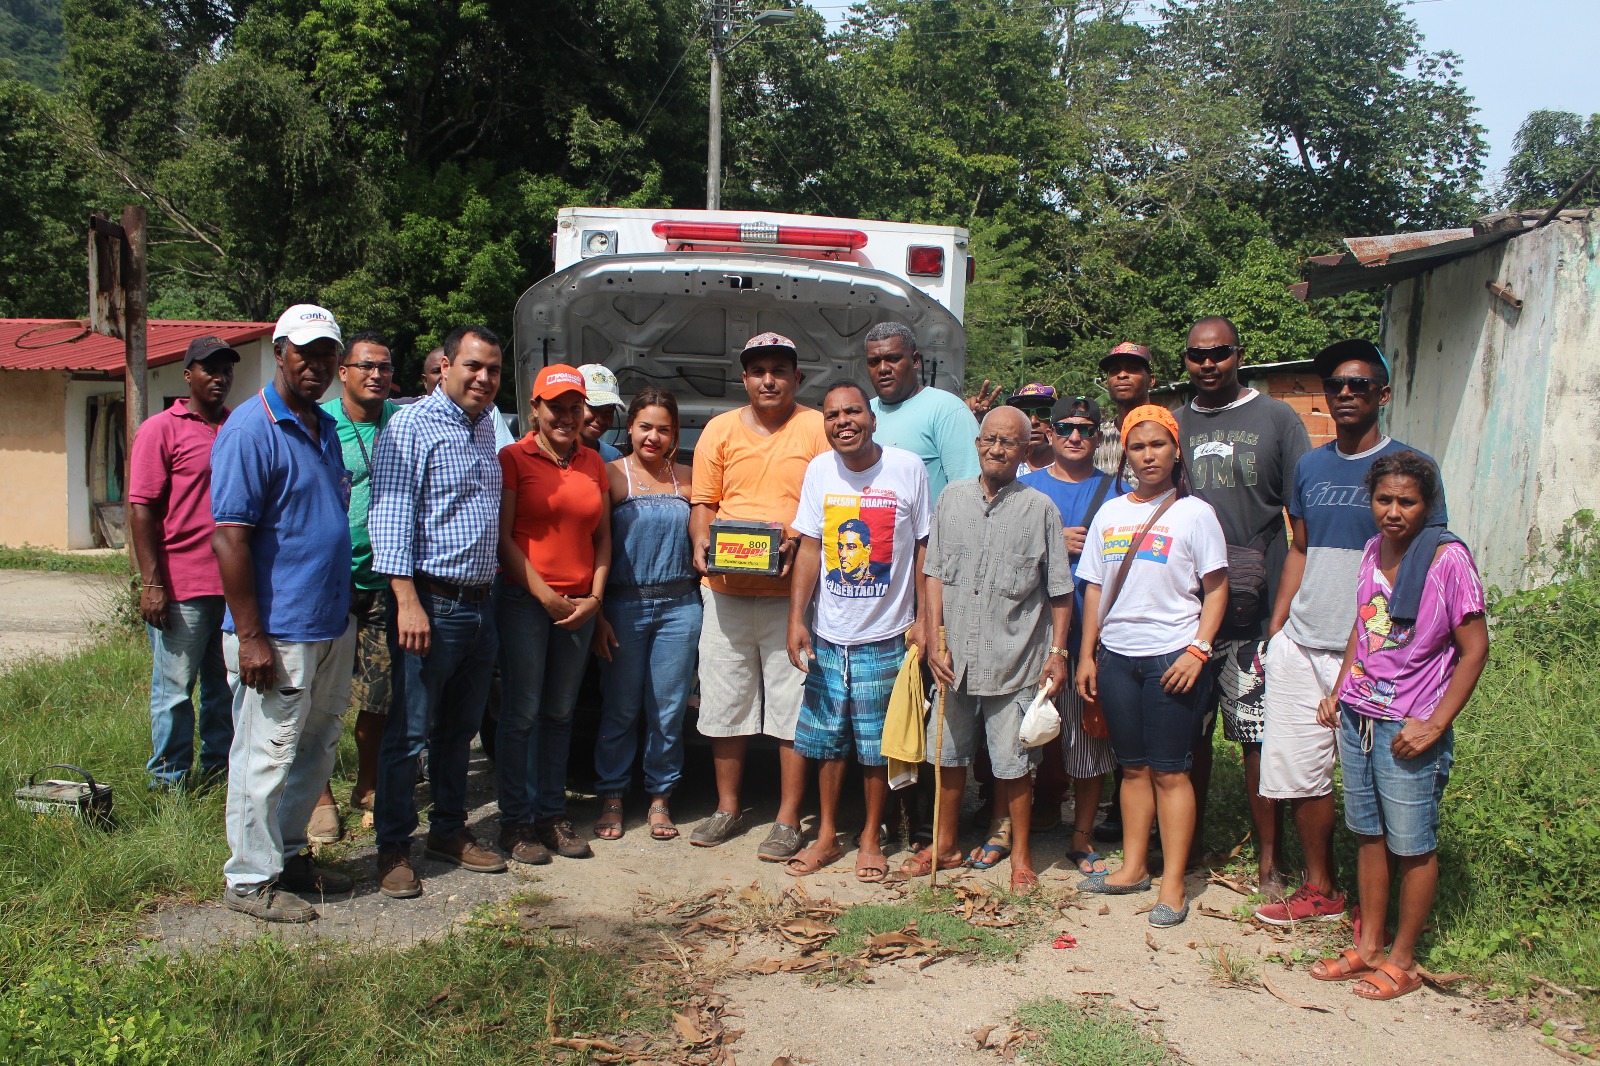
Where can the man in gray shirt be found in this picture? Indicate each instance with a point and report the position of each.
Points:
(999, 581)
(1240, 449)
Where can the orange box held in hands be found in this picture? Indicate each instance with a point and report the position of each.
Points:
(744, 547)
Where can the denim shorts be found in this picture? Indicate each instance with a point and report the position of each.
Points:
(1397, 799)
(1148, 725)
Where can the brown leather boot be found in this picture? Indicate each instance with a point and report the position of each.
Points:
(396, 879)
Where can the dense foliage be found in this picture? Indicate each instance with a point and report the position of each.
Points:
(1121, 169)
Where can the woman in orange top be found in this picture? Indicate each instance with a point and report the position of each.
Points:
(555, 553)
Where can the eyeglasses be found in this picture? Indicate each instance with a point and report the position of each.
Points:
(372, 368)
(1221, 353)
(1358, 386)
(1005, 442)
(1041, 413)
(1065, 430)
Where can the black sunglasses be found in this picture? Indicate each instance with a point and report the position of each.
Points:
(1065, 430)
(1218, 354)
(1358, 386)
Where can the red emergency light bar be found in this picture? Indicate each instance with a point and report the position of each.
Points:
(764, 233)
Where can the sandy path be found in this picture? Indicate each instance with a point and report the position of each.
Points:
(47, 613)
(903, 1015)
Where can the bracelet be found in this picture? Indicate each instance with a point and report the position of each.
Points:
(1198, 654)
(153, 586)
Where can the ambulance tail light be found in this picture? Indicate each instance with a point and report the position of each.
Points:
(925, 260)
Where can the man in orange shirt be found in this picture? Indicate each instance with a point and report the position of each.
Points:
(749, 465)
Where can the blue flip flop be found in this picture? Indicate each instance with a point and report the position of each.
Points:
(993, 855)
(1078, 858)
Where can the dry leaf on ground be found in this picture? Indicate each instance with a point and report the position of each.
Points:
(1302, 1004)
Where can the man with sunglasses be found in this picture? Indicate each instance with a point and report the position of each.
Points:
(366, 378)
(1036, 400)
(1240, 449)
(1330, 515)
(1078, 490)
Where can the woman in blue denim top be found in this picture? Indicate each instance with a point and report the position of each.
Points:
(650, 629)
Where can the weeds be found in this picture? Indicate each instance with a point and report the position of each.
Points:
(28, 557)
(1071, 1034)
(1228, 968)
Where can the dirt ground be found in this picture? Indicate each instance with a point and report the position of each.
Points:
(44, 613)
(905, 1014)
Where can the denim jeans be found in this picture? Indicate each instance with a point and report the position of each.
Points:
(1397, 799)
(436, 701)
(1150, 726)
(651, 672)
(283, 750)
(541, 667)
(187, 650)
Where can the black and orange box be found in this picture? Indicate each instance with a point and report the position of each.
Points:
(745, 547)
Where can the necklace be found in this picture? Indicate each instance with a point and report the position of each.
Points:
(655, 479)
(562, 461)
(1149, 499)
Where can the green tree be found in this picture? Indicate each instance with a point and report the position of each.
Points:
(31, 39)
(41, 212)
(1552, 150)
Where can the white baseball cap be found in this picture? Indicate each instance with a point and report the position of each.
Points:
(304, 323)
(600, 387)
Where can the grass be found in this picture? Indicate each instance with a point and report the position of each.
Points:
(1073, 1034)
(28, 557)
(930, 910)
(71, 898)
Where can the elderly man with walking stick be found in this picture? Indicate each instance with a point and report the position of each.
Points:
(999, 581)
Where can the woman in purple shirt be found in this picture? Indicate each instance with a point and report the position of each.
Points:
(1414, 657)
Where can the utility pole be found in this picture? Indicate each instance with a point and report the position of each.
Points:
(135, 403)
(722, 26)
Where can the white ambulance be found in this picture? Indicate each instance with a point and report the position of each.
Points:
(669, 297)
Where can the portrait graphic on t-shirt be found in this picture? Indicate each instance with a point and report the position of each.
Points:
(858, 543)
(1156, 546)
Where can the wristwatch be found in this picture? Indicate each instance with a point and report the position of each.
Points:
(1203, 645)
(1057, 651)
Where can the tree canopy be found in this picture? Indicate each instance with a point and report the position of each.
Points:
(1121, 170)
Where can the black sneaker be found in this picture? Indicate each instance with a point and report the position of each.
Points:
(301, 875)
(267, 903)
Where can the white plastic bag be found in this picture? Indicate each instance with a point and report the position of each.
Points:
(1042, 723)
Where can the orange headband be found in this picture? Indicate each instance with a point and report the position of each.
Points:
(1150, 412)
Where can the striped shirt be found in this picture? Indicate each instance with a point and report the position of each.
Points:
(436, 493)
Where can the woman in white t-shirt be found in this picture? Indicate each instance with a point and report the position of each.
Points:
(1146, 646)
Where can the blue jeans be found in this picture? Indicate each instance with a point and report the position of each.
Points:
(1148, 725)
(651, 672)
(541, 667)
(1397, 799)
(189, 649)
(436, 701)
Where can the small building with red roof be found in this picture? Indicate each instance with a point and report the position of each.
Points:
(62, 451)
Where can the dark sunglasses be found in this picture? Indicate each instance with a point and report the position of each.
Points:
(1065, 430)
(1220, 353)
(1358, 386)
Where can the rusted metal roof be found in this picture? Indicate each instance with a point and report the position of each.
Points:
(67, 344)
(1373, 262)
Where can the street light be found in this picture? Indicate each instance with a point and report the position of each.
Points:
(722, 27)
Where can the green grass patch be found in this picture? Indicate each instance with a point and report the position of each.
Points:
(28, 557)
(1075, 1034)
(934, 912)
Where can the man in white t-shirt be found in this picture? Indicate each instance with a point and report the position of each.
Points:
(863, 522)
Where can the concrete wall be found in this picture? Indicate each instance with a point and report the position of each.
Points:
(33, 458)
(1505, 399)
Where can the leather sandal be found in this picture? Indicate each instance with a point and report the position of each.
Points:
(1345, 966)
(608, 827)
(662, 830)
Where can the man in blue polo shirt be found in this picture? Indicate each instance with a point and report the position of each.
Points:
(279, 493)
(1330, 515)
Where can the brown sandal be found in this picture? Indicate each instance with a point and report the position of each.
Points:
(1387, 981)
(812, 859)
(1342, 967)
(921, 864)
(606, 829)
(662, 830)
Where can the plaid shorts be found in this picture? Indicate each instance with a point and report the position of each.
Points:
(369, 688)
(847, 694)
(1241, 688)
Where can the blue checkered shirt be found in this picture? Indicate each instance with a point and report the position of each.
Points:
(436, 493)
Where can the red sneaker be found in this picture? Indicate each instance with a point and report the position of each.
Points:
(1308, 904)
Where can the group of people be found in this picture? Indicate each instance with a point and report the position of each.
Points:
(1133, 564)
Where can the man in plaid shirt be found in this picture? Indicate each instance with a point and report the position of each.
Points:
(435, 526)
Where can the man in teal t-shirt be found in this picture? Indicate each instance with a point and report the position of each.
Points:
(362, 410)
(934, 425)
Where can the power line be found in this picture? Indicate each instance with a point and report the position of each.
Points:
(605, 182)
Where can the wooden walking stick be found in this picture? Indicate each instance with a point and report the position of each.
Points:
(938, 774)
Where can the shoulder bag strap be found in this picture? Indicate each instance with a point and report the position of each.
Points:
(1133, 550)
(1099, 498)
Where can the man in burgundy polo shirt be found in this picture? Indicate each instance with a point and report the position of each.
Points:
(169, 498)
